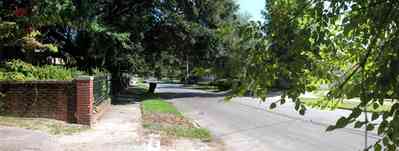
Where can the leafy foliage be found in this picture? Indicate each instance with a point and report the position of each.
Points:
(19, 71)
(157, 38)
(350, 45)
(187, 38)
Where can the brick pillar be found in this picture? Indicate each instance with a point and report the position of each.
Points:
(84, 100)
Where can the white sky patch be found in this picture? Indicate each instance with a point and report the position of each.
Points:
(252, 7)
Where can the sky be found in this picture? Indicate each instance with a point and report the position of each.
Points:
(253, 7)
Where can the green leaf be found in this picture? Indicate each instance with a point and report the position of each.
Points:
(391, 147)
(370, 127)
(377, 147)
(381, 101)
(385, 115)
(381, 128)
(297, 105)
(394, 108)
(342, 122)
(385, 141)
(302, 111)
(273, 106)
(282, 101)
(375, 116)
(356, 112)
(353, 92)
(331, 128)
(376, 106)
(359, 124)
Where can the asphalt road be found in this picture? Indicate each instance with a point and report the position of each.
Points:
(245, 124)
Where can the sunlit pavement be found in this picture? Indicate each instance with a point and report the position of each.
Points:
(245, 124)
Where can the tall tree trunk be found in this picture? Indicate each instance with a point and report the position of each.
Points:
(152, 87)
(116, 85)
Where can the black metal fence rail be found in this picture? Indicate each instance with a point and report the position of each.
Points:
(101, 88)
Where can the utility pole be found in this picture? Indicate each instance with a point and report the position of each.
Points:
(365, 129)
(366, 120)
(187, 69)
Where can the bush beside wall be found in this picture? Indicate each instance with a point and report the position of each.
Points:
(17, 70)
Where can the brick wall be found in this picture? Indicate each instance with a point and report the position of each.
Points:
(70, 101)
(46, 99)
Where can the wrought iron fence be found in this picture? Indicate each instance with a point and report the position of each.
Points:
(101, 88)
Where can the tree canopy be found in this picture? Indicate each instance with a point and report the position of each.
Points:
(141, 37)
(352, 45)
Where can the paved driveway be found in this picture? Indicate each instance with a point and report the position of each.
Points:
(245, 124)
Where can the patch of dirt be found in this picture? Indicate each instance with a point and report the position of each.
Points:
(50, 126)
(167, 120)
(192, 145)
(171, 143)
(164, 143)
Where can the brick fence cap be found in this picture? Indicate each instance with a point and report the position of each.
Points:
(84, 77)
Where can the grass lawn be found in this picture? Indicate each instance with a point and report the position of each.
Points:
(346, 104)
(159, 106)
(161, 116)
(50, 126)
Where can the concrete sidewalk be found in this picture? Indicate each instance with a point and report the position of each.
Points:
(118, 130)
(17, 139)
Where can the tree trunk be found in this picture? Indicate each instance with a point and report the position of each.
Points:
(116, 86)
(152, 88)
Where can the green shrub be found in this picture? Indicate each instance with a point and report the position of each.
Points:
(19, 71)
(98, 72)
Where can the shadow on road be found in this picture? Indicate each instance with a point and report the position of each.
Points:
(171, 95)
(163, 86)
(181, 92)
(131, 95)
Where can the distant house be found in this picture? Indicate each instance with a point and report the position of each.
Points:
(55, 61)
